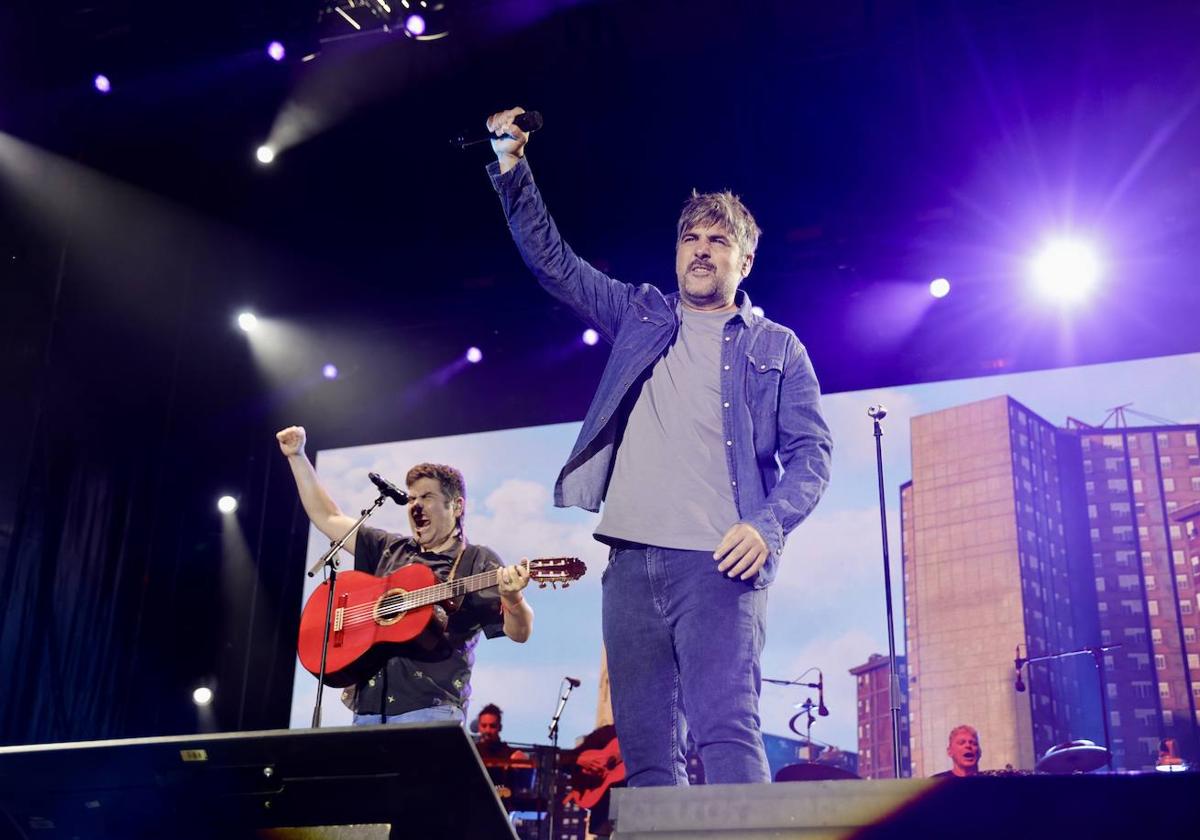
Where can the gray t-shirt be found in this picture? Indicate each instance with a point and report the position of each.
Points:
(670, 483)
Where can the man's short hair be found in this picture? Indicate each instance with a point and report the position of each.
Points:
(962, 727)
(724, 209)
(492, 709)
(450, 479)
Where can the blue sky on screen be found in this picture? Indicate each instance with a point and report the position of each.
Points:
(827, 606)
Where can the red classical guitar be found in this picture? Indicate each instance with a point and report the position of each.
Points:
(594, 773)
(371, 615)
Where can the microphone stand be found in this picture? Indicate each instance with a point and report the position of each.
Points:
(1097, 652)
(806, 709)
(877, 413)
(330, 560)
(552, 787)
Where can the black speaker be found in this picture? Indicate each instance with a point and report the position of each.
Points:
(398, 781)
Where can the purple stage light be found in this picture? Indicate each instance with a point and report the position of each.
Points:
(474, 355)
(1066, 270)
(102, 83)
(590, 337)
(276, 51)
(414, 25)
(330, 371)
(939, 287)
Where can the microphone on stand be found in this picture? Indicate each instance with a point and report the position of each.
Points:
(529, 121)
(1019, 685)
(574, 682)
(388, 489)
(821, 710)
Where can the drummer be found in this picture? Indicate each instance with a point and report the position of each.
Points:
(491, 748)
(964, 752)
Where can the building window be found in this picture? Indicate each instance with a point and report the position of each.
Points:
(1155, 635)
(1163, 439)
(1099, 584)
(1112, 689)
(1193, 660)
(1183, 582)
(1118, 508)
(1118, 484)
(1164, 462)
(1092, 512)
(1196, 482)
(1150, 584)
(1089, 486)
(1189, 635)
(1127, 583)
(1169, 485)
(1185, 607)
(1114, 718)
(1189, 438)
(1160, 661)
(1164, 690)
(1133, 607)
(1152, 607)
(1135, 463)
(1141, 689)
(1168, 717)
(1196, 689)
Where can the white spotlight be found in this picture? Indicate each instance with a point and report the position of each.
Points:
(227, 504)
(202, 696)
(1066, 270)
(590, 337)
(940, 287)
(265, 154)
(474, 355)
(247, 321)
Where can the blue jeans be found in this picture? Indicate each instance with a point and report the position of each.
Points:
(433, 713)
(683, 644)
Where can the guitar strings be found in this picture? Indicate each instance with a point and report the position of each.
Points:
(399, 603)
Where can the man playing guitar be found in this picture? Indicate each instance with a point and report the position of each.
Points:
(430, 678)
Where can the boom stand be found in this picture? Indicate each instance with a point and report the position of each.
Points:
(330, 560)
(1097, 652)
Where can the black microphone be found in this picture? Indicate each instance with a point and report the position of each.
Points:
(821, 710)
(388, 489)
(572, 681)
(1019, 685)
(528, 121)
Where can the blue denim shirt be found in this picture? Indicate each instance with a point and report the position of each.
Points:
(770, 395)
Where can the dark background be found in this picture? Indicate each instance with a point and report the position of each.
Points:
(880, 144)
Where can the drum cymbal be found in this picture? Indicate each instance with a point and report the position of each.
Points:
(1073, 757)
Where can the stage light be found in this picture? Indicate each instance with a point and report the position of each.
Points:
(247, 321)
(330, 371)
(590, 337)
(758, 310)
(202, 696)
(102, 83)
(227, 504)
(265, 154)
(276, 51)
(1066, 270)
(939, 287)
(474, 355)
(414, 25)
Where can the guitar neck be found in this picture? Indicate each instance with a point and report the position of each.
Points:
(448, 590)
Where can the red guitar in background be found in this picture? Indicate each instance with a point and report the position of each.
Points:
(596, 770)
(372, 615)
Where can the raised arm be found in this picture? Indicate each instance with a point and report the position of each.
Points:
(322, 510)
(594, 296)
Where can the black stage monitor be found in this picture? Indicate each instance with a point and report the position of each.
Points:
(411, 780)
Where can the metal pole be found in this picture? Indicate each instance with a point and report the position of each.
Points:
(877, 413)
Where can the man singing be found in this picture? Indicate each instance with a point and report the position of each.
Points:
(434, 684)
(701, 403)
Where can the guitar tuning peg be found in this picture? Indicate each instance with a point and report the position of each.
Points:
(565, 585)
(541, 584)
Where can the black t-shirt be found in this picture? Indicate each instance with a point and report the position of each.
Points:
(429, 677)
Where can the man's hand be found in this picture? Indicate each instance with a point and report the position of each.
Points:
(512, 580)
(291, 440)
(511, 148)
(742, 552)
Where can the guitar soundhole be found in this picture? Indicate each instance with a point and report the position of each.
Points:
(387, 608)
